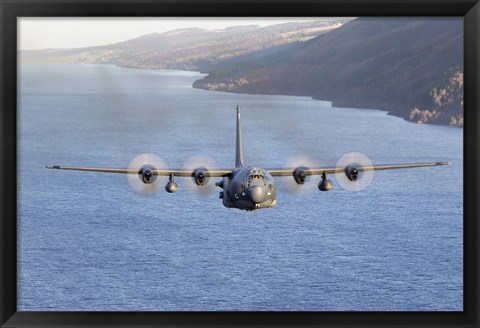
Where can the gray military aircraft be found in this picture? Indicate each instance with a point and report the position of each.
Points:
(245, 187)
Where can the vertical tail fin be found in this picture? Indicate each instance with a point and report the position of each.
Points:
(239, 155)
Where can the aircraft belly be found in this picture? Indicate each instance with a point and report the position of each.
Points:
(246, 205)
(243, 202)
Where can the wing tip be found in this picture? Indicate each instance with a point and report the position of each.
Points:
(443, 163)
(52, 166)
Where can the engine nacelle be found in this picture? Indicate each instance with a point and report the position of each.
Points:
(299, 175)
(352, 172)
(199, 177)
(146, 174)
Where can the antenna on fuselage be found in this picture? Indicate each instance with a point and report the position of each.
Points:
(239, 155)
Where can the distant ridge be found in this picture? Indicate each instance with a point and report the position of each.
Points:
(393, 64)
(186, 49)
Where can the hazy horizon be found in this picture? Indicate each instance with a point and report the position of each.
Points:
(50, 32)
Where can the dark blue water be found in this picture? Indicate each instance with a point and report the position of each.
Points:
(88, 242)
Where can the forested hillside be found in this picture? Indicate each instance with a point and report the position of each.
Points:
(412, 67)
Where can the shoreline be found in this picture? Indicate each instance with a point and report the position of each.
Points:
(416, 116)
(421, 116)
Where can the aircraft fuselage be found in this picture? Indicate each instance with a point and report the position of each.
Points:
(248, 188)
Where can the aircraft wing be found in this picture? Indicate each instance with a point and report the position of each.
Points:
(334, 169)
(160, 172)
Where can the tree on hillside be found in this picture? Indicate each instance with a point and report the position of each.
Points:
(451, 93)
(447, 102)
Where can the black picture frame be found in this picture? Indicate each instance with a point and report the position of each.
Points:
(10, 10)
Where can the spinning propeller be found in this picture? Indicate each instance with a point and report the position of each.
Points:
(349, 173)
(146, 182)
(200, 183)
(301, 183)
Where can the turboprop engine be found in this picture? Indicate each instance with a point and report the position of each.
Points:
(352, 173)
(299, 175)
(146, 174)
(199, 177)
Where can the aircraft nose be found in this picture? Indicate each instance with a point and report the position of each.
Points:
(257, 194)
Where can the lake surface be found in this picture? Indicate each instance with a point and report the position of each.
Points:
(87, 241)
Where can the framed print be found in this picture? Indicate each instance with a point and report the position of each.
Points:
(217, 163)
